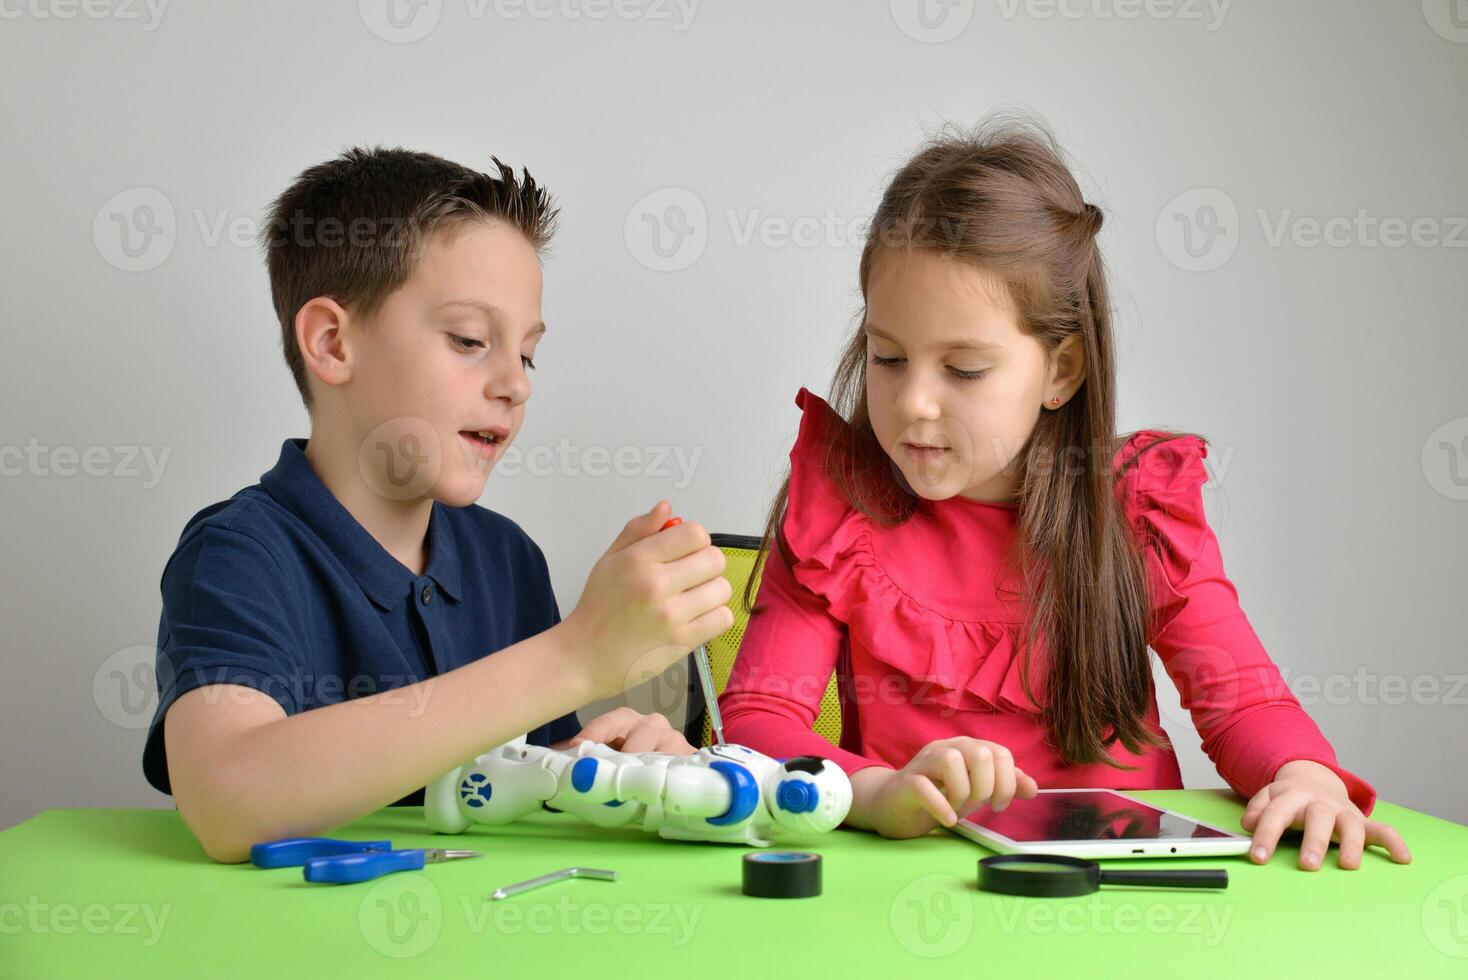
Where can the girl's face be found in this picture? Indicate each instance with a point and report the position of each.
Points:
(954, 387)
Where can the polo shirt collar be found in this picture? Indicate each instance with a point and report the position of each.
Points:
(386, 581)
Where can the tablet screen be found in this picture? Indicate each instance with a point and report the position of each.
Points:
(1088, 815)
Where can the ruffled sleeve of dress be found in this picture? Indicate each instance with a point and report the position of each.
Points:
(825, 538)
(1249, 720)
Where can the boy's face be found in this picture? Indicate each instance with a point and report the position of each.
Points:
(444, 360)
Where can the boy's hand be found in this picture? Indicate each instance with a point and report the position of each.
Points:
(946, 778)
(630, 731)
(1308, 796)
(649, 600)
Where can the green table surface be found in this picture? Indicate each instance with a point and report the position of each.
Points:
(128, 893)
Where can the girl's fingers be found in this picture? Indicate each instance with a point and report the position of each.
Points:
(981, 775)
(1387, 836)
(952, 772)
(1353, 842)
(1277, 816)
(1027, 785)
(931, 800)
(1320, 818)
(1004, 778)
(1256, 806)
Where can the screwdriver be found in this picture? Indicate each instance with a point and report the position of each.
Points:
(705, 676)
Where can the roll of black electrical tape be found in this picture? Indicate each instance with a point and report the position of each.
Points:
(782, 874)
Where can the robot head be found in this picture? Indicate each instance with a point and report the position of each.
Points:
(808, 795)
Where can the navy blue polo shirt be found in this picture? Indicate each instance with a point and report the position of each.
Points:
(280, 589)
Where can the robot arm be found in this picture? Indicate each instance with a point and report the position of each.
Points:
(682, 789)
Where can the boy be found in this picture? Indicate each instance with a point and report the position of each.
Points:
(324, 648)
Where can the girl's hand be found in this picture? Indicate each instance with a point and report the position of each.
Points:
(654, 596)
(630, 731)
(1306, 795)
(946, 778)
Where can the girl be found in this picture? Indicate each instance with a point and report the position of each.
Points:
(963, 539)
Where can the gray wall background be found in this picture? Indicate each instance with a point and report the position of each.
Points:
(1285, 206)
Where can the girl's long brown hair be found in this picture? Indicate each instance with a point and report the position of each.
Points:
(1002, 197)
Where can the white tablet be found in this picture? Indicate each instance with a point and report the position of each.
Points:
(1095, 823)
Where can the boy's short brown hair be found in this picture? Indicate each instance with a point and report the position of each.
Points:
(353, 228)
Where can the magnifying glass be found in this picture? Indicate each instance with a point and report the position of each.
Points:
(1058, 876)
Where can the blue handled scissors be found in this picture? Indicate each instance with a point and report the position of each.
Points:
(326, 859)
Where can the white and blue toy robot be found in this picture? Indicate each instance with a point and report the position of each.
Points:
(721, 793)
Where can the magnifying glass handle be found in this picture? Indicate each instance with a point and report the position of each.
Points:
(1179, 878)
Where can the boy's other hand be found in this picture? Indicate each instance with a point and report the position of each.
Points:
(628, 730)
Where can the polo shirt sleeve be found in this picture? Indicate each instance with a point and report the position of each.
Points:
(227, 619)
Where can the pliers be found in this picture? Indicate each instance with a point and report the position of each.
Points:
(339, 862)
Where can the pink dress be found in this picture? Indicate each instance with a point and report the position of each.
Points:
(925, 647)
